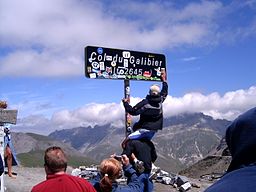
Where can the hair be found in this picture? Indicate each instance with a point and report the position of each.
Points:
(110, 170)
(55, 159)
(3, 104)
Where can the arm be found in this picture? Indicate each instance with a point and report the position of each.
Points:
(164, 91)
(135, 184)
(137, 109)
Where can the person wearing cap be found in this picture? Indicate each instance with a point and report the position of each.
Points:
(241, 141)
(150, 111)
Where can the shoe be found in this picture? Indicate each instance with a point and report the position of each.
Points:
(139, 166)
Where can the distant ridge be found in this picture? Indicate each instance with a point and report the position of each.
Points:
(184, 140)
(30, 149)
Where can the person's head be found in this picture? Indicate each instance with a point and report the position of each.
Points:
(154, 90)
(54, 160)
(110, 170)
(3, 104)
(241, 140)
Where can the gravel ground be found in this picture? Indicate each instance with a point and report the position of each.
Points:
(28, 177)
(25, 180)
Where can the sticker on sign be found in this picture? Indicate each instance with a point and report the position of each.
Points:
(109, 63)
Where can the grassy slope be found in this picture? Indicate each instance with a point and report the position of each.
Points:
(35, 158)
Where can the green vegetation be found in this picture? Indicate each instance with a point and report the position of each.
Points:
(31, 159)
(35, 159)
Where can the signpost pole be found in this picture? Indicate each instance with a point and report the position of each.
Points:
(128, 119)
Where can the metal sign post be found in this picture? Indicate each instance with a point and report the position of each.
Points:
(6, 116)
(128, 119)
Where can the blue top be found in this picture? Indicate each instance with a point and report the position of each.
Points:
(241, 141)
(240, 180)
(8, 141)
(135, 183)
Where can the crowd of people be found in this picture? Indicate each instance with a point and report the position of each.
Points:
(240, 138)
(135, 161)
(139, 154)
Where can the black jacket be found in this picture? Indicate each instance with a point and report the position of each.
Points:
(144, 150)
(150, 111)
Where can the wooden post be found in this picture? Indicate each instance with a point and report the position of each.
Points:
(128, 119)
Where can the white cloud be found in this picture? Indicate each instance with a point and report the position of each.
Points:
(48, 37)
(34, 64)
(190, 59)
(228, 106)
(91, 114)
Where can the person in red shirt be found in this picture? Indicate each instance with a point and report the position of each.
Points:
(57, 180)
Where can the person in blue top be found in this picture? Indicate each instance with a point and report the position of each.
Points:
(110, 170)
(10, 158)
(9, 153)
(241, 141)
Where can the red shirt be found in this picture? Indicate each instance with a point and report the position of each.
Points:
(63, 183)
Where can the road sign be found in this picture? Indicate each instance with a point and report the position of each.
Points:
(8, 116)
(109, 63)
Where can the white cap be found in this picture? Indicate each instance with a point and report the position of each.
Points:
(154, 90)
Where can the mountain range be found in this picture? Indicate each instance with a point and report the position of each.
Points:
(184, 140)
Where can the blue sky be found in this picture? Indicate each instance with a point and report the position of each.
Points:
(209, 46)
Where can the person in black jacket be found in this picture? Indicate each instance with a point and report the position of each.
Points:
(143, 150)
(241, 141)
(142, 154)
(150, 110)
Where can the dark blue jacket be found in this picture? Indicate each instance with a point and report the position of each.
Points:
(135, 184)
(8, 142)
(241, 141)
(150, 111)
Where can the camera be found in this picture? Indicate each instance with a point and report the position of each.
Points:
(118, 157)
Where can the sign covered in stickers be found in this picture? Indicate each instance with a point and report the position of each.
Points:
(109, 63)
